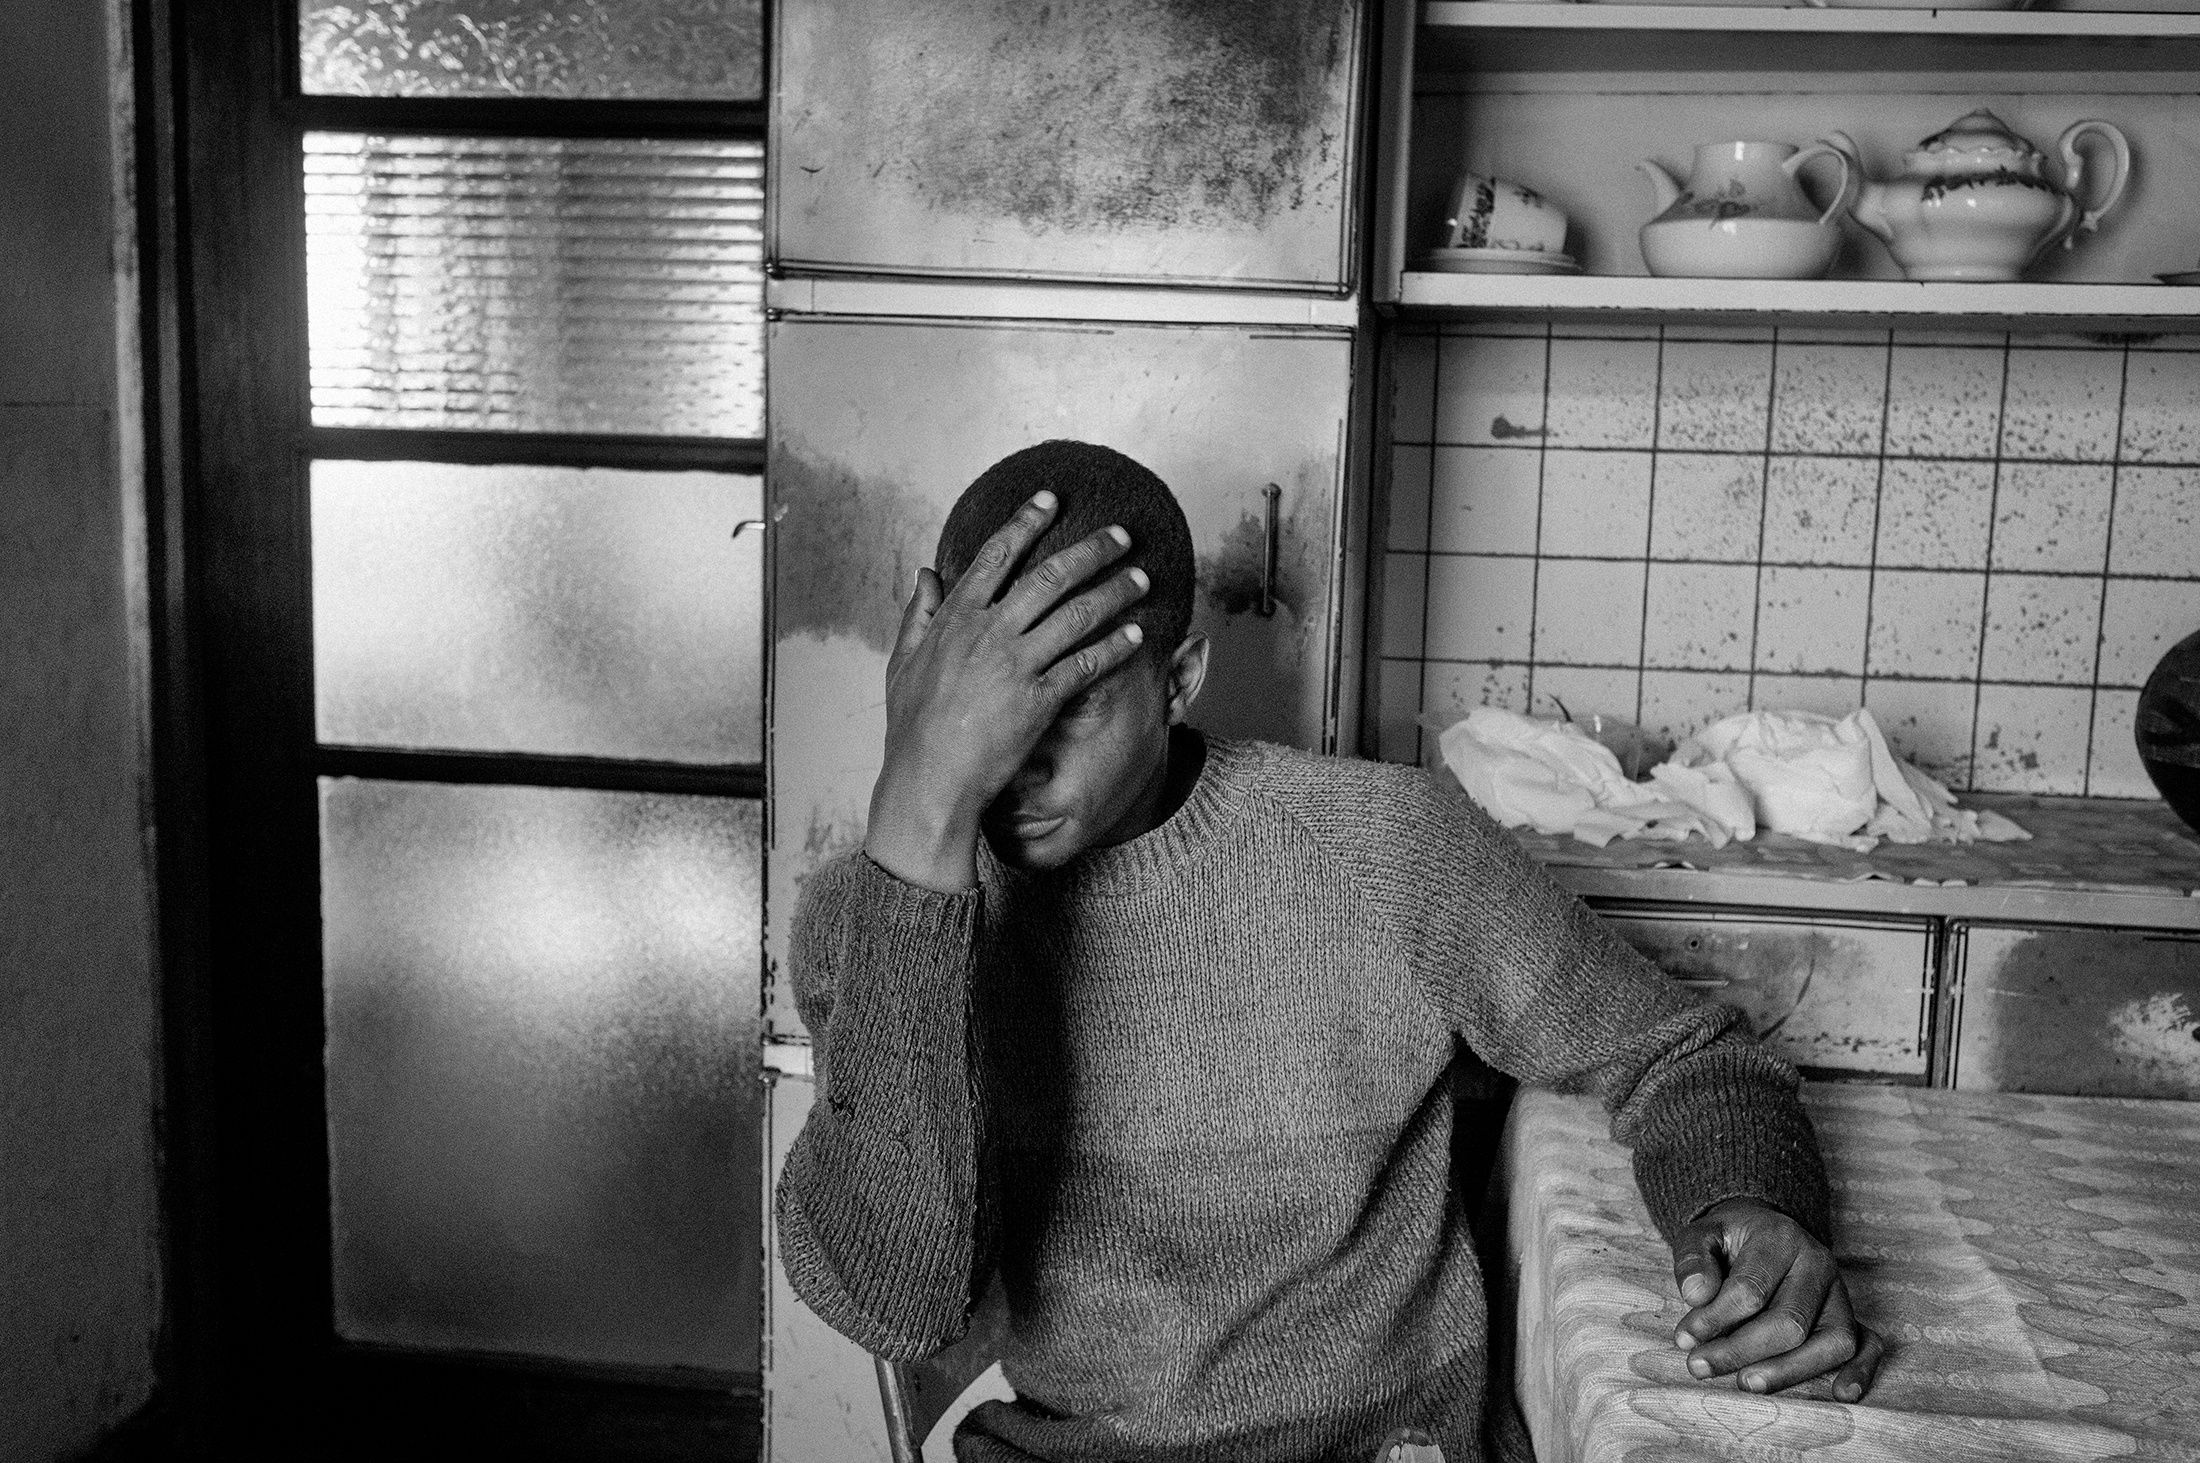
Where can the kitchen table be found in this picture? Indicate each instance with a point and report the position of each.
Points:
(2033, 1262)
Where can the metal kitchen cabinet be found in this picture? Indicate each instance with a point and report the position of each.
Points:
(1148, 141)
(878, 425)
(2092, 1012)
(1839, 994)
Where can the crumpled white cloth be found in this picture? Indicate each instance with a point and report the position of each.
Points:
(1818, 778)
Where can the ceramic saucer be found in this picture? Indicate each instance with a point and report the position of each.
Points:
(1497, 261)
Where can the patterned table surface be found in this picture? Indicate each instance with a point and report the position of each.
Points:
(2034, 1263)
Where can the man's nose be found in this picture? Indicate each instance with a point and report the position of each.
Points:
(1037, 772)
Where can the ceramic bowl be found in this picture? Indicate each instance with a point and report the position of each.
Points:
(1740, 248)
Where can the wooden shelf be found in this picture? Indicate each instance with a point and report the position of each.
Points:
(2043, 308)
(1464, 36)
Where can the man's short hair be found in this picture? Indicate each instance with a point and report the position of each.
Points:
(1096, 486)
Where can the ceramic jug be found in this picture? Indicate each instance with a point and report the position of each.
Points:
(1975, 202)
(1743, 215)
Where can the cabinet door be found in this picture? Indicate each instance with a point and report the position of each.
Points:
(877, 427)
(2107, 1013)
(1839, 994)
(1162, 140)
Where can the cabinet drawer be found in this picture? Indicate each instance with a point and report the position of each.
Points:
(2107, 1013)
(1844, 995)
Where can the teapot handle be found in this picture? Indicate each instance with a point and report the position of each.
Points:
(2074, 171)
(1850, 182)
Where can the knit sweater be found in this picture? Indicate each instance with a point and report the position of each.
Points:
(1186, 1098)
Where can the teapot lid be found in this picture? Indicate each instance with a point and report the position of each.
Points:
(1978, 135)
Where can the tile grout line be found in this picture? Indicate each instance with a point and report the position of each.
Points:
(1535, 569)
(1879, 502)
(2108, 551)
(1649, 528)
(1986, 580)
(1764, 515)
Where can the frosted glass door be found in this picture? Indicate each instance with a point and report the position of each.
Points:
(879, 425)
(1117, 139)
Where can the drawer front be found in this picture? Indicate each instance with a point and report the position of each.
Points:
(1841, 995)
(2101, 1013)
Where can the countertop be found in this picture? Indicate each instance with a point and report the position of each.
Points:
(2107, 861)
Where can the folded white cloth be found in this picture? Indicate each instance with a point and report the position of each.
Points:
(1822, 779)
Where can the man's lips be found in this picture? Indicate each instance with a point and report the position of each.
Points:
(1032, 826)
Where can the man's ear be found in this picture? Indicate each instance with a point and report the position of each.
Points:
(1187, 673)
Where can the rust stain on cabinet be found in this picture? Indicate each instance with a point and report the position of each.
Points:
(1840, 996)
(2091, 1012)
(1107, 115)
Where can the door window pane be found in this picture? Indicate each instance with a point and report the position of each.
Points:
(541, 1071)
(535, 284)
(681, 50)
(556, 610)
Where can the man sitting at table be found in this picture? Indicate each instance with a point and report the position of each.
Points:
(1156, 1026)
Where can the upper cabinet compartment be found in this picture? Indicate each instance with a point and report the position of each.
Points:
(1570, 100)
(1140, 141)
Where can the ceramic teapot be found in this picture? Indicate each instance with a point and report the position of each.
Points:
(1975, 201)
(1743, 215)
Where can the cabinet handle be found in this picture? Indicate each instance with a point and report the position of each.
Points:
(1274, 495)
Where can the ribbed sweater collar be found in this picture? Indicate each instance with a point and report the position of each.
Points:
(1187, 838)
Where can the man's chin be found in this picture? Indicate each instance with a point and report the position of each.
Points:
(1049, 848)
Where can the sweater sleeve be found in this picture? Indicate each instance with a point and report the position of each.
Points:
(1544, 990)
(881, 1223)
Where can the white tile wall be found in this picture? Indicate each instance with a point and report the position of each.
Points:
(1989, 541)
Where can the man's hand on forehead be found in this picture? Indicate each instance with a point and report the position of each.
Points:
(977, 675)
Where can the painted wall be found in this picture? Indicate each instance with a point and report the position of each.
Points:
(80, 1295)
(1988, 540)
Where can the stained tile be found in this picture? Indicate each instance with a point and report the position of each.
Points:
(1405, 592)
(1451, 690)
(1604, 393)
(2157, 522)
(1596, 503)
(1409, 494)
(1709, 505)
(1700, 616)
(1479, 609)
(1485, 500)
(1927, 723)
(1826, 695)
(1943, 401)
(1412, 388)
(2115, 770)
(2162, 407)
(2052, 516)
(1819, 510)
(2062, 404)
(1588, 612)
(1812, 620)
(1397, 737)
(2140, 620)
(2041, 629)
(1830, 335)
(1490, 390)
(1828, 398)
(2031, 739)
(1583, 691)
(1934, 515)
(1926, 623)
(1715, 395)
(1678, 703)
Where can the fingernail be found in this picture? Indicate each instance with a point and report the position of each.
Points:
(1683, 1340)
(1848, 1391)
(1754, 1384)
(1699, 1368)
(1042, 499)
(1133, 634)
(1138, 577)
(1120, 534)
